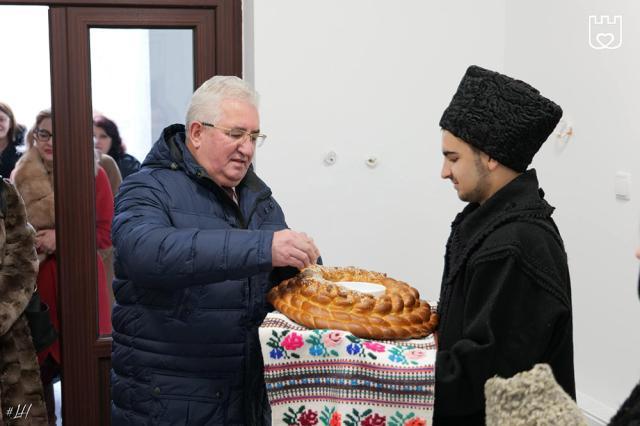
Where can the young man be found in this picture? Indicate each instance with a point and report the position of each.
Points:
(505, 301)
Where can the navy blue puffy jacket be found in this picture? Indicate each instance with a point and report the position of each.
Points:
(192, 269)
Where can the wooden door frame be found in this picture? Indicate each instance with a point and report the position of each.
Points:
(217, 26)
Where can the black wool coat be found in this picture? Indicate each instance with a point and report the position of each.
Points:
(505, 300)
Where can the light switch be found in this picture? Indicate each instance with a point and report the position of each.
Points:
(622, 185)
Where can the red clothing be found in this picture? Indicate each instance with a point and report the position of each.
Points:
(104, 210)
(104, 217)
(47, 277)
(47, 274)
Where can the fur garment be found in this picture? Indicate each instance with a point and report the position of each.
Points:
(530, 398)
(34, 181)
(503, 117)
(20, 384)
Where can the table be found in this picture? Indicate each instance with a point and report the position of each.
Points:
(331, 377)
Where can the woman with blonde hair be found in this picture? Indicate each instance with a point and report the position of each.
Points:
(33, 178)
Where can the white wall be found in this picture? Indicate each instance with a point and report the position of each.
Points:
(366, 78)
(548, 45)
(372, 78)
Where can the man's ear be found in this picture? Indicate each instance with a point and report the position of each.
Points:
(492, 164)
(194, 132)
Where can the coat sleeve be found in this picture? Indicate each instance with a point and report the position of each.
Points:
(19, 263)
(151, 252)
(508, 323)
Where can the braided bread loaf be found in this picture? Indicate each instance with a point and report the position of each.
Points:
(313, 298)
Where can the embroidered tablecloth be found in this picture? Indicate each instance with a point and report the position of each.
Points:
(331, 377)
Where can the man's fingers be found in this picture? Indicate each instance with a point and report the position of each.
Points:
(302, 257)
(306, 244)
(296, 260)
(295, 249)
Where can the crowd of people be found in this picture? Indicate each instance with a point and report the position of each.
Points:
(27, 161)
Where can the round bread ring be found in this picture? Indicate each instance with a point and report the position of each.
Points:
(313, 299)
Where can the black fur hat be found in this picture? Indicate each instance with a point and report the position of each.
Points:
(503, 117)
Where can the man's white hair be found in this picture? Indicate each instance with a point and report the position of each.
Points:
(206, 100)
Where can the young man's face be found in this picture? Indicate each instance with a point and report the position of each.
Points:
(466, 169)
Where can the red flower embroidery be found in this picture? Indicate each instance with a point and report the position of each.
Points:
(374, 420)
(292, 342)
(374, 346)
(336, 419)
(308, 418)
(416, 421)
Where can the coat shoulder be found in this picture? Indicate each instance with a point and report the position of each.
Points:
(538, 250)
(537, 238)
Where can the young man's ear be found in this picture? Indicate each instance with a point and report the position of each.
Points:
(492, 164)
(195, 131)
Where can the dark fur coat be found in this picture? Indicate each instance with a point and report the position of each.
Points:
(20, 384)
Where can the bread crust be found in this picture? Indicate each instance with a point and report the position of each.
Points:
(313, 299)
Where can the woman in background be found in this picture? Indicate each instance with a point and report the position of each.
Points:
(108, 141)
(33, 178)
(11, 135)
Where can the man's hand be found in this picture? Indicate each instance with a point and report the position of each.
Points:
(46, 241)
(291, 248)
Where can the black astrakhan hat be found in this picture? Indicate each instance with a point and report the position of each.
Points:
(503, 117)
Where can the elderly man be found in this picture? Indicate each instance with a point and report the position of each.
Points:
(505, 301)
(197, 236)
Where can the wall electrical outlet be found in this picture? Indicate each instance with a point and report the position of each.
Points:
(622, 186)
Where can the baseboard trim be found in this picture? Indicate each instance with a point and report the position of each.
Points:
(597, 413)
(593, 420)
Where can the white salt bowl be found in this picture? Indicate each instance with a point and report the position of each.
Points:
(362, 287)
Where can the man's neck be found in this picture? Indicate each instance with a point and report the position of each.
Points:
(500, 179)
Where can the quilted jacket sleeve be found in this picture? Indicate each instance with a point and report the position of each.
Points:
(151, 252)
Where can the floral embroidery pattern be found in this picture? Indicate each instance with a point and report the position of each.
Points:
(336, 419)
(330, 417)
(333, 338)
(374, 420)
(398, 419)
(374, 346)
(406, 355)
(320, 340)
(300, 417)
(282, 343)
(416, 422)
(363, 349)
(308, 418)
(326, 342)
(415, 354)
(355, 418)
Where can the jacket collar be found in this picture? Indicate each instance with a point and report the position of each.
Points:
(520, 198)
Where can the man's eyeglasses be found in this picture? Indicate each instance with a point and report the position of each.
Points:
(239, 135)
(43, 135)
